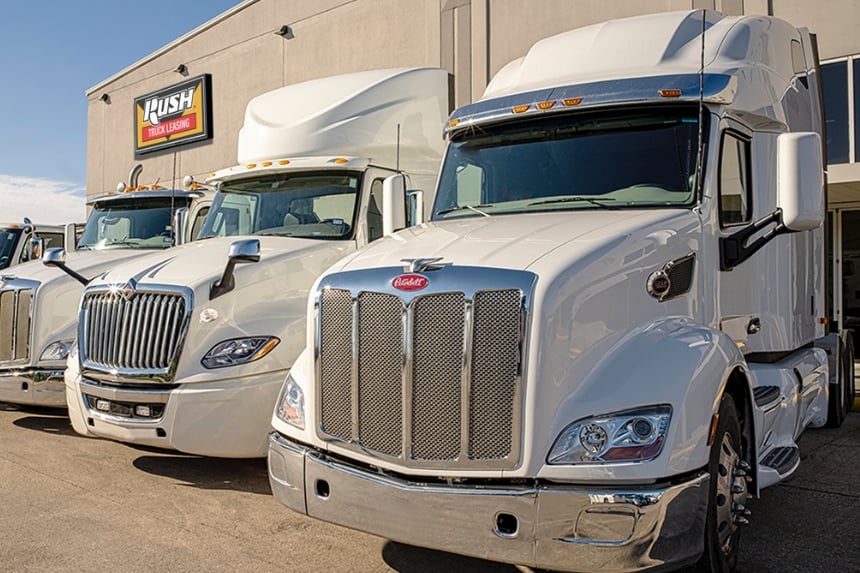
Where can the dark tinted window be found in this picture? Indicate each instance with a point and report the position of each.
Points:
(834, 79)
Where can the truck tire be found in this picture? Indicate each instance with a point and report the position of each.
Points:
(841, 397)
(727, 496)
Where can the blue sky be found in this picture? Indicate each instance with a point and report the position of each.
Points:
(51, 53)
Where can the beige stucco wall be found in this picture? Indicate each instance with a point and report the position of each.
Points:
(470, 38)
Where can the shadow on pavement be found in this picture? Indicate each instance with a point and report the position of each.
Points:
(209, 473)
(410, 559)
(48, 420)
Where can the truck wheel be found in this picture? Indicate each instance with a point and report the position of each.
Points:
(840, 399)
(727, 496)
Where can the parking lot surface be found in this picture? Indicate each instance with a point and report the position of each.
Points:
(71, 504)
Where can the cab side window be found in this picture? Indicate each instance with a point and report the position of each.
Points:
(374, 211)
(197, 225)
(735, 193)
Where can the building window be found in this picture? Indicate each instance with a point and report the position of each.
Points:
(834, 80)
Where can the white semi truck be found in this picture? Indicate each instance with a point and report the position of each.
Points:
(611, 332)
(188, 350)
(16, 241)
(39, 304)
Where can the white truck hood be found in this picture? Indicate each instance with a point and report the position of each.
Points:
(508, 241)
(57, 296)
(269, 298)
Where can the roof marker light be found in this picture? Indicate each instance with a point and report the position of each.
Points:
(670, 93)
(571, 101)
(266, 163)
(545, 104)
(339, 160)
(454, 122)
(284, 162)
(250, 166)
(521, 108)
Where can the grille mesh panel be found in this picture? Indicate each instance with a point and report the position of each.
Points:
(380, 373)
(336, 363)
(141, 333)
(423, 421)
(437, 376)
(495, 368)
(15, 324)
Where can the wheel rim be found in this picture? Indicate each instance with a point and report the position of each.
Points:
(731, 494)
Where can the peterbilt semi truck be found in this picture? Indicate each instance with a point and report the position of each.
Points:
(611, 331)
(187, 351)
(39, 303)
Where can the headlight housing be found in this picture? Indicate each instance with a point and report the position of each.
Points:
(238, 351)
(291, 404)
(57, 350)
(630, 436)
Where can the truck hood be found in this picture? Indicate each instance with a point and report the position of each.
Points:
(508, 241)
(269, 298)
(54, 313)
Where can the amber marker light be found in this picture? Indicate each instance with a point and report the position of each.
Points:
(712, 434)
(521, 108)
(571, 101)
(670, 93)
(250, 166)
(545, 104)
(340, 160)
(454, 123)
(266, 163)
(284, 162)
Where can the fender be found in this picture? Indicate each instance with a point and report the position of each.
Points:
(669, 361)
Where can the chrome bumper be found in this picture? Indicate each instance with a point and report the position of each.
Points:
(33, 386)
(552, 526)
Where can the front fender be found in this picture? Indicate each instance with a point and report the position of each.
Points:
(671, 361)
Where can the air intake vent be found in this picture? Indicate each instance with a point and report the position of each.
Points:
(15, 308)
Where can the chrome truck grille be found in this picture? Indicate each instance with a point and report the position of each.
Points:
(133, 331)
(15, 314)
(429, 378)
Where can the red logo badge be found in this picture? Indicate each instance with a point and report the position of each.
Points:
(410, 282)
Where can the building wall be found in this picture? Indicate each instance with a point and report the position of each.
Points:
(470, 38)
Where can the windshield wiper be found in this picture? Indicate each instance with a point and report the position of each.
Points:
(576, 199)
(475, 208)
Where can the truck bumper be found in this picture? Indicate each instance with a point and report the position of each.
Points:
(33, 386)
(553, 526)
(228, 418)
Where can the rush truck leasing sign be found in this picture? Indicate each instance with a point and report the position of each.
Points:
(172, 116)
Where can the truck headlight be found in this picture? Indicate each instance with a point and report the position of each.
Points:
(57, 350)
(238, 351)
(628, 436)
(291, 404)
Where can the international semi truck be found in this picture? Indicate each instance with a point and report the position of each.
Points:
(610, 333)
(39, 303)
(187, 349)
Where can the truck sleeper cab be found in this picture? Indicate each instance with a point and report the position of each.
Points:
(609, 335)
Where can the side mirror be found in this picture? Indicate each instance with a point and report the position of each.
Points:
(36, 248)
(393, 204)
(70, 236)
(244, 251)
(56, 257)
(179, 218)
(800, 180)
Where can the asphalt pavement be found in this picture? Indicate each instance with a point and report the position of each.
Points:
(72, 504)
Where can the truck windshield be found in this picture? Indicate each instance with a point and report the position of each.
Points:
(589, 160)
(130, 223)
(8, 242)
(310, 205)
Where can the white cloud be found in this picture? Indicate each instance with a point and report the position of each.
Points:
(42, 200)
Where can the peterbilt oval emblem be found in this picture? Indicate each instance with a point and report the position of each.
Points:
(410, 282)
(658, 284)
